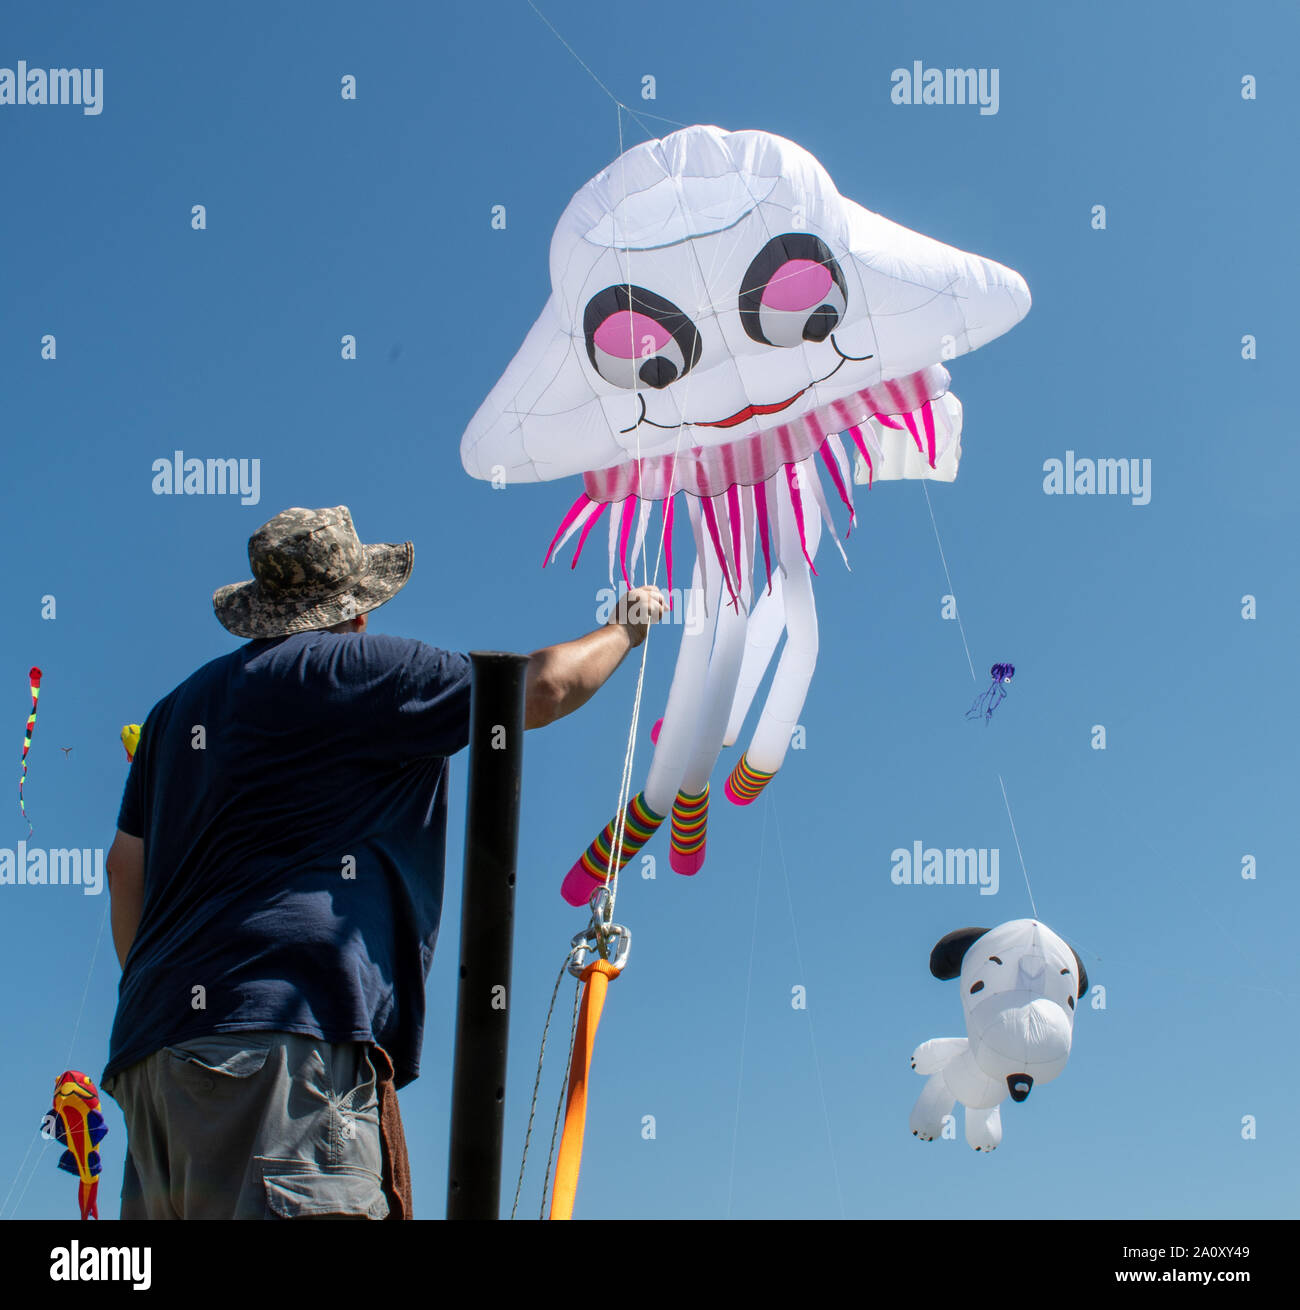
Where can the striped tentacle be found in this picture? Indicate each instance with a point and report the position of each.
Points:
(590, 870)
(689, 829)
(745, 783)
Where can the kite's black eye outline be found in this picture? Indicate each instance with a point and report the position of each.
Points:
(1071, 1001)
(657, 369)
(995, 959)
(781, 327)
(978, 987)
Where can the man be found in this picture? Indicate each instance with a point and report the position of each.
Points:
(276, 884)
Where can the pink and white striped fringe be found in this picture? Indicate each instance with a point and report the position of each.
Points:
(730, 488)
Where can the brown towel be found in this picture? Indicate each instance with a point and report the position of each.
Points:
(397, 1167)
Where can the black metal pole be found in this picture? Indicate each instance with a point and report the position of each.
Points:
(487, 920)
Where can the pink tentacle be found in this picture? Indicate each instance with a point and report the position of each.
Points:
(833, 469)
(910, 420)
(796, 504)
(887, 421)
(747, 513)
(701, 553)
(856, 434)
(638, 537)
(927, 417)
(824, 509)
(771, 489)
(586, 528)
(733, 513)
(711, 519)
(668, 543)
(760, 508)
(846, 475)
(566, 524)
(624, 531)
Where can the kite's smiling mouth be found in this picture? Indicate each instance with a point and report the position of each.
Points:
(750, 411)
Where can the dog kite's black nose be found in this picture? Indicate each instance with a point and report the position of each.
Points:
(1019, 1085)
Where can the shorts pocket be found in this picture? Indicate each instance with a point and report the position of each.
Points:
(207, 1064)
(354, 1132)
(362, 1099)
(323, 1194)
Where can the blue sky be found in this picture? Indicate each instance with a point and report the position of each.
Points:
(372, 217)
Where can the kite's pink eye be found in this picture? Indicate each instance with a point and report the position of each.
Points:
(636, 338)
(799, 284)
(626, 335)
(793, 292)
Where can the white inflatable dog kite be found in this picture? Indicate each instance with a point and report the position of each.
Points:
(1019, 983)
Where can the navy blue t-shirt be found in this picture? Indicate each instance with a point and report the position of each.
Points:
(292, 798)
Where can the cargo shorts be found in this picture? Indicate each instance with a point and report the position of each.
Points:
(253, 1125)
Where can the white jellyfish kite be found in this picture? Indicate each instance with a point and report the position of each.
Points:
(1019, 983)
(722, 321)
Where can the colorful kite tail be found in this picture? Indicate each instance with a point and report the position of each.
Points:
(640, 823)
(35, 676)
(690, 827)
(745, 784)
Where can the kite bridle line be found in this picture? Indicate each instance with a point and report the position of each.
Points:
(602, 934)
(1078, 946)
(602, 931)
(532, 1108)
(966, 646)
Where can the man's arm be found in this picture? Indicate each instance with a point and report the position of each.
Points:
(562, 678)
(125, 889)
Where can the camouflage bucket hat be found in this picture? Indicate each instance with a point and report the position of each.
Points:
(310, 570)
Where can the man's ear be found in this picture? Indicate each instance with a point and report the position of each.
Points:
(946, 958)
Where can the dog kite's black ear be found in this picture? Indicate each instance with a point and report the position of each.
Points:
(1083, 974)
(946, 958)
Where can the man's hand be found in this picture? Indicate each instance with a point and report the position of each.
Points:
(637, 610)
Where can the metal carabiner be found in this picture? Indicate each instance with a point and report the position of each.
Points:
(611, 942)
(602, 905)
(622, 939)
(579, 948)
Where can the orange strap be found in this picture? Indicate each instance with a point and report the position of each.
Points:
(596, 976)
